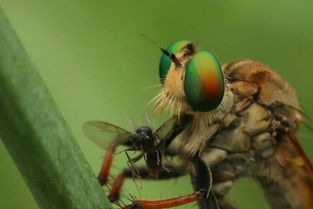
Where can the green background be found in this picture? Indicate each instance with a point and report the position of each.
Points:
(96, 65)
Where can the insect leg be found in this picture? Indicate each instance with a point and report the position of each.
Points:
(202, 181)
(106, 165)
(171, 171)
(164, 203)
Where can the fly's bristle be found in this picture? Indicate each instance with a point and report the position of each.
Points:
(226, 79)
(152, 86)
(164, 102)
(177, 106)
(271, 168)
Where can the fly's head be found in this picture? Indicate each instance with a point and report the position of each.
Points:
(143, 139)
(192, 79)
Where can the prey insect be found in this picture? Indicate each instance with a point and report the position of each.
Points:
(229, 121)
(109, 136)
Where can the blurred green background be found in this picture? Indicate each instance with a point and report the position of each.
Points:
(96, 65)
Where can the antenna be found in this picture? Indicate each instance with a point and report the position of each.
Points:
(150, 40)
(164, 51)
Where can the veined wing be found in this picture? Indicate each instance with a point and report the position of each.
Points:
(292, 186)
(164, 128)
(103, 133)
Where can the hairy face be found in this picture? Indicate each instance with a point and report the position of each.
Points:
(172, 97)
(193, 80)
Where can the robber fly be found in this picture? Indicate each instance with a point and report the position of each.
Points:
(228, 121)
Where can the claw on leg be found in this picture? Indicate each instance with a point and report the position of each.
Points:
(116, 188)
(165, 203)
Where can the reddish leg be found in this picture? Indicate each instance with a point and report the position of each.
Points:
(165, 203)
(201, 180)
(106, 165)
(116, 188)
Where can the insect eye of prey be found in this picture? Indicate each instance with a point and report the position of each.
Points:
(204, 82)
(166, 61)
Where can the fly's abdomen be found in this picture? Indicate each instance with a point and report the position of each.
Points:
(286, 178)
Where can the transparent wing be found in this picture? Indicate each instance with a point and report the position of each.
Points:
(164, 128)
(103, 133)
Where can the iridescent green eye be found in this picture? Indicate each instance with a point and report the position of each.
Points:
(165, 61)
(204, 82)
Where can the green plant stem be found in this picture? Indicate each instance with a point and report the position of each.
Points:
(36, 136)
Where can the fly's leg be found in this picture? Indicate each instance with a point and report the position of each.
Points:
(201, 178)
(202, 182)
(164, 203)
(171, 171)
(224, 175)
(106, 165)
